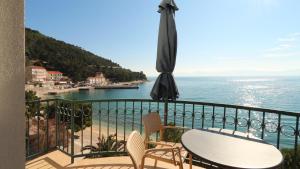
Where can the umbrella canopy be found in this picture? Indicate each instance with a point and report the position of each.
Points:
(165, 86)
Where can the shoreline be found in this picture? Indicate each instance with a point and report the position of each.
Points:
(44, 92)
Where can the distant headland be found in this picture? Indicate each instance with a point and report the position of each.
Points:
(54, 66)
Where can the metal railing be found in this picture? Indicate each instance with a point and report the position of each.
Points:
(101, 127)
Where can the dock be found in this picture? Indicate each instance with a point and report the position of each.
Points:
(117, 87)
(52, 93)
(83, 88)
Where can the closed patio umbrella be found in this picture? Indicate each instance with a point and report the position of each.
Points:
(165, 86)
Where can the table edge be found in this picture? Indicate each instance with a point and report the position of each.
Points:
(222, 165)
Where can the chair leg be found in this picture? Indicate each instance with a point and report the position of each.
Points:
(155, 163)
(181, 166)
(191, 161)
(143, 163)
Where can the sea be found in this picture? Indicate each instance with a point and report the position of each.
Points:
(279, 93)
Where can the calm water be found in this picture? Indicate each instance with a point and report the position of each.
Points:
(281, 93)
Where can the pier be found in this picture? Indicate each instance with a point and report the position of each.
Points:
(118, 87)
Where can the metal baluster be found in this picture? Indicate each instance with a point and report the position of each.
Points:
(203, 116)
(82, 112)
(72, 133)
(296, 138)
(141, 122)
(149, 107)
(174, 114)
(99, 122)
(159, 114)
(224, 118)
(263, 126)
(125, 116)
(64, 127)
(56, 123)
(68, 129)
(236, 119)
(27, 132)
(193, 116)
(47, 127)
(91, 141)
(117, 107)
(213, 118)
(108, 111)
(249, 121)
(278, 130)
(166, 112)
(132, 124)
(38, 124)
(183, 115)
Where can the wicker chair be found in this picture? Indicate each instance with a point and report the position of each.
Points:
(152, 124)
(137, 152)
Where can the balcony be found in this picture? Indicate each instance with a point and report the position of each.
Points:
(57, 159)
(93, 133)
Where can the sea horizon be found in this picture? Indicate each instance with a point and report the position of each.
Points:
(272, 92)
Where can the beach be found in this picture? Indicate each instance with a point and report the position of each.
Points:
(90, 135)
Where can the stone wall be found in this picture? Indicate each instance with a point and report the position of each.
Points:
(12, 75)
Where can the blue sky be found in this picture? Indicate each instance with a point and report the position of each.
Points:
(215, 37)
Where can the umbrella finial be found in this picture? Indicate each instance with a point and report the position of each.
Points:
(167, 3)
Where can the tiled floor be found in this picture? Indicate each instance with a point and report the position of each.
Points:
(57, 159)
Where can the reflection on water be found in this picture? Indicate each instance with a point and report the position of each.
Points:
(282, 93)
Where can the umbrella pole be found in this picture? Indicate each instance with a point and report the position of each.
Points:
(166, 112)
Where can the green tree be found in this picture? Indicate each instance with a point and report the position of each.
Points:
(31, 96)
(73, 61)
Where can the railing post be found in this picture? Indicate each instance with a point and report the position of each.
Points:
(38, 124)
(166, 112)
(72, 133)
(278, 131)
(56, 123)
(47, 127)
(297, 134)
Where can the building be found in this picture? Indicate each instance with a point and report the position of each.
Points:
(36, 74)
(55, 75)
(98, 80)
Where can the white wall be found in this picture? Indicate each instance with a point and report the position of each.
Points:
(12, 123)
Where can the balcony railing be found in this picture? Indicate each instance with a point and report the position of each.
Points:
(100, 127)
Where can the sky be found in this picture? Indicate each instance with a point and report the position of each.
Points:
(215, 37)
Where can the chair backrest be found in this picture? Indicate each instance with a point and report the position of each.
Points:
(152, 123)
(135, 148)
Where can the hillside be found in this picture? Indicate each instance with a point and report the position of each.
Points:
(73, 61)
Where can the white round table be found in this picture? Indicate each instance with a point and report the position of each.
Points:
(229, 151)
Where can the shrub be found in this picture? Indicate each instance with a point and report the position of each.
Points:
(172, 134)
(290, 160)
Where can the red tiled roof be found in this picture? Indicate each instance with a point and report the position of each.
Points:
(54, 72)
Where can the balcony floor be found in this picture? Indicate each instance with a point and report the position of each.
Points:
(57, 159)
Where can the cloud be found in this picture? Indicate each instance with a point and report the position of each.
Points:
(263, 5)
(282, 54)
(288, 46)
(296, 34)
(287, 40)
